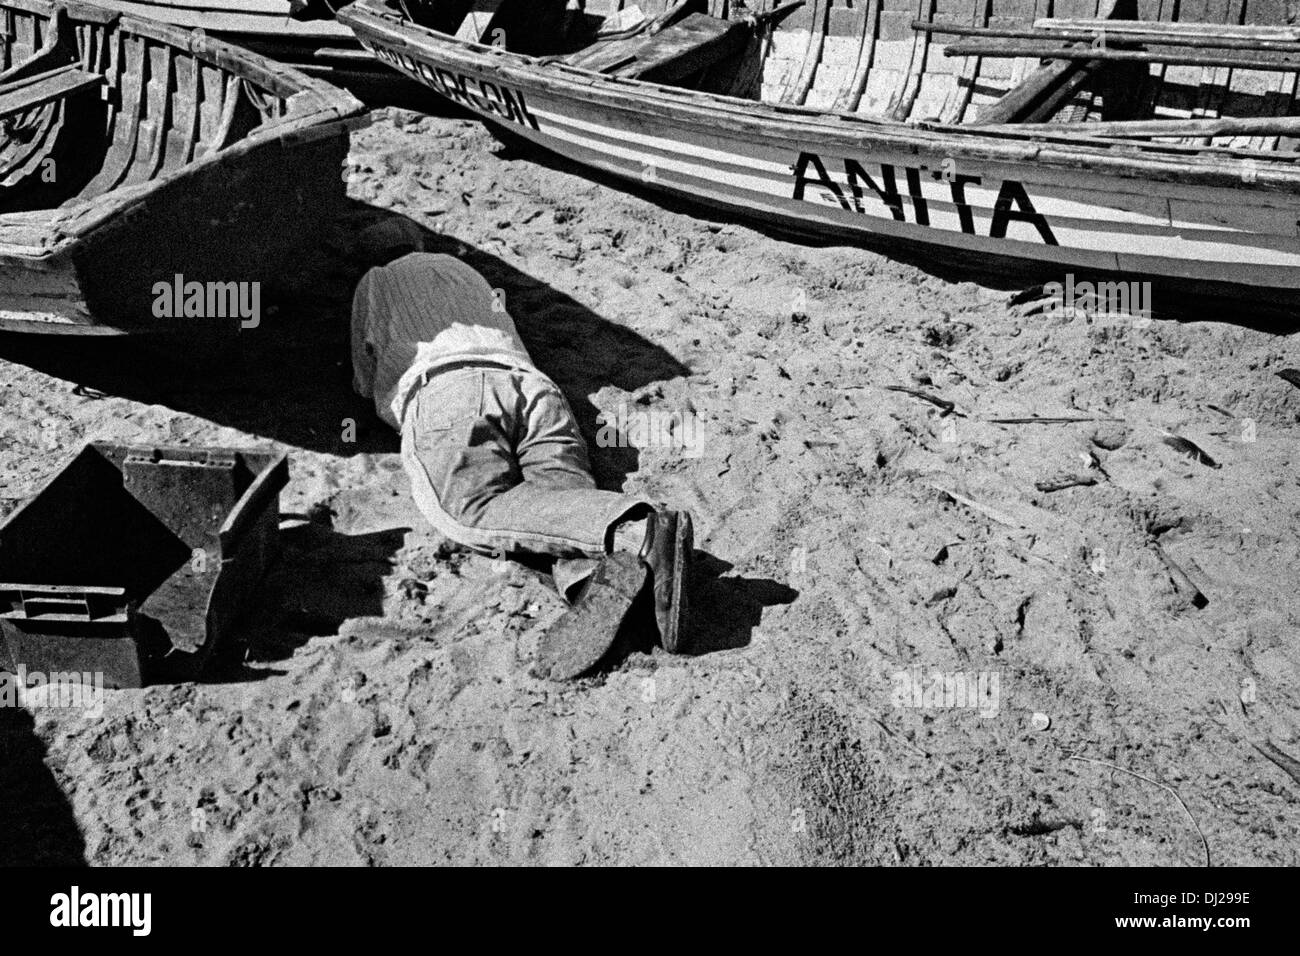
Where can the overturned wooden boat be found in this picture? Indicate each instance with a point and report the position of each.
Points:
(143, 167)
(1140, 137)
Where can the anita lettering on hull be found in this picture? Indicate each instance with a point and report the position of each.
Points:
(804, 117)
(861, 188)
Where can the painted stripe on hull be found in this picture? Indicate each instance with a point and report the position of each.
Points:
(1187, 231)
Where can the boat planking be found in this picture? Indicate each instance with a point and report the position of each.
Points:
(854, 121)
(302, 33)
(135, 155)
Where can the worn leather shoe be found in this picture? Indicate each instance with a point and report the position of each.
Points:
(667, 551)
(584, 634)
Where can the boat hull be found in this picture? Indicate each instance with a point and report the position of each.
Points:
(212, 176)
(107, 282)
(1050, 209)
(319, 47)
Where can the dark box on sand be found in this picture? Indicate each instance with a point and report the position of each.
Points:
(129, 555)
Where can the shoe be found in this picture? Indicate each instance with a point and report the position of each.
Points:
(584, 634)
(667, 551)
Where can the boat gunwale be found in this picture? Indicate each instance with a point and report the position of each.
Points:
(314, 110)
(1190, 165)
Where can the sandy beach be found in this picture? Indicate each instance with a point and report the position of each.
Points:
(901, 482)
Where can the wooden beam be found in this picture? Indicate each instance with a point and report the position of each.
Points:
(671, 54)
(1245, 32)
(1154, 38)
(1048, 51)
(1153, 129)
(31, 92)
(1037, 89)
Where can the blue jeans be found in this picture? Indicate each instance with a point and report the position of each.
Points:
(497, 464)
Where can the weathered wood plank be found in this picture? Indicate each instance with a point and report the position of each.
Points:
(1283, 63)
(29, 93)
(685, 48)
(1174, 28)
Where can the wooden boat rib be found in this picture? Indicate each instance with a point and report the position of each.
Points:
(302, 33)
(249, 17)
(842, 119)
(132, 152)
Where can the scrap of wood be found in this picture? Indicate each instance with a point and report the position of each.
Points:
(974, 505)
(1277, 755)
(1237, 726)
(1182, 581)
(1164, 786)
(948, 408)
(1061, 482)
(911, 745)
(1188, 448)
(1049, 420)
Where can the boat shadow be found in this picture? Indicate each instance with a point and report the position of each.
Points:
(1177, 300)
(290, 380)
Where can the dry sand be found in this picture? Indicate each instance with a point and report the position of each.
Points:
(387, 713)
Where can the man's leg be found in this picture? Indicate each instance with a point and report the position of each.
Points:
(497, 463)
(472, 443)
(460, 437)
(551, 453)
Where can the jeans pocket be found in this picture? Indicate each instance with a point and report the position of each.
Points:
(450, 400)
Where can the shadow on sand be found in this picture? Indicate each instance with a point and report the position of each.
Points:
(35, 818)
(322, 579)
(725, 609)
(289, 379)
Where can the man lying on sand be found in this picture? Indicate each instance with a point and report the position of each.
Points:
(496, 460)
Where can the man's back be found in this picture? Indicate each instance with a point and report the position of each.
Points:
(428, 311)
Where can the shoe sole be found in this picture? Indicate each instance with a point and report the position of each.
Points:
(581, 638)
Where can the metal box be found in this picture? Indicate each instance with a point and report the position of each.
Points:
(131, 555)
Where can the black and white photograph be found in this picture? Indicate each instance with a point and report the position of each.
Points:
(648, 433)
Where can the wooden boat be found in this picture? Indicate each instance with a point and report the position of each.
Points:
(302, 33)
(1148, 138)
(134, 153)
